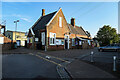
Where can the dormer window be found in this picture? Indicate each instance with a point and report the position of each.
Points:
(60, 21)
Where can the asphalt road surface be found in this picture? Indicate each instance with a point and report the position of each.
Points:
(29, 66)
(104, 57)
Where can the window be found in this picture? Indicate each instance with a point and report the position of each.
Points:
(43, 38)
(60, 21)
(31, 40)
(27, 40)
(73, 42)
(52, 38)
(62, 42)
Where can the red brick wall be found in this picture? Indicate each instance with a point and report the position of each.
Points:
(55, 47)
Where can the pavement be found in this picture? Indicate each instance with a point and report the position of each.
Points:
(80, 69)
(75, 69)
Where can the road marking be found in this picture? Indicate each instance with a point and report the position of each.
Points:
(46, 59)
(54, 57)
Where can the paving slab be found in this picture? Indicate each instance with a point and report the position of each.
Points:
(80, 69)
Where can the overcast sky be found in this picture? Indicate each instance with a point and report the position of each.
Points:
(90, 15)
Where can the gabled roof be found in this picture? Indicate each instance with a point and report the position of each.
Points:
(76, 30)
(30, 33)
(43, 21)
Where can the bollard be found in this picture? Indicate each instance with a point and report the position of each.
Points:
(45, 48)
(91, 56)
(114, 63)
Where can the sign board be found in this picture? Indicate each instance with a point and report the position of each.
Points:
(1, 40)
(80, 43)
(36, 39)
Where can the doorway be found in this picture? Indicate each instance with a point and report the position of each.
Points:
(66, 45)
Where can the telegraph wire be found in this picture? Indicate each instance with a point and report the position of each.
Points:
(90, 10)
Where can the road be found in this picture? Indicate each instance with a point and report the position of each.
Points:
(40, 65)
(104, 57)
(29, 66)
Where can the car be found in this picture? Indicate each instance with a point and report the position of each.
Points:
(111, 47)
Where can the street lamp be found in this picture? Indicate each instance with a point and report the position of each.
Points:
(16, 27)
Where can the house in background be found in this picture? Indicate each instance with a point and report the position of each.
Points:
(78, 36)
(20, 37)
(5, 42)
(31, 39)
(52, 32)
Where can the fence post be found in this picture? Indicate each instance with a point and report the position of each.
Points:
(114, 63)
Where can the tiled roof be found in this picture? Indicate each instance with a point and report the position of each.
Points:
(77, 30)
(43, 20)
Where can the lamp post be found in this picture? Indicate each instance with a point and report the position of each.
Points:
(16, 27)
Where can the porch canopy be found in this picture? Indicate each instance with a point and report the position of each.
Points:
(80, 38)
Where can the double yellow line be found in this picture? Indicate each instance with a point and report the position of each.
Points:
(46, 59)
(53, 57)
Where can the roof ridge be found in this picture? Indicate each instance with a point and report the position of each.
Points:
(49, 13)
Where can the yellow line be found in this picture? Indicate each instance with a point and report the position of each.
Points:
(54, 57)
(46, 59)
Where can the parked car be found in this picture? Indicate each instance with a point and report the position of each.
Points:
(112, 47)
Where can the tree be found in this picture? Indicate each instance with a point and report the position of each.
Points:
(107, 35)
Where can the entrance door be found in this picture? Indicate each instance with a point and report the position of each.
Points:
(66, 42)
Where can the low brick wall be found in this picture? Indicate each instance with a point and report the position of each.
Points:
(55, 47)
(6, 46)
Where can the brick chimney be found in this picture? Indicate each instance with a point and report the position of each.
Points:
(43, 12)
(73, 22)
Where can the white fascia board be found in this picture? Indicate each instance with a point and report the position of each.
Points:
(52, 18)
(32, 31)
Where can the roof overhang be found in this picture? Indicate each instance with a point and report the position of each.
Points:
(53, 17)
(83, 38)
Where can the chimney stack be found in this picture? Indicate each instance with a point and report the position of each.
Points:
(43, 12)
(73, 22)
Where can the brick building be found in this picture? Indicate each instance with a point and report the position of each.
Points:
(52, 32)
(20, 37)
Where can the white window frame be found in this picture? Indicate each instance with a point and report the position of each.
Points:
(43, 38)
(52, 37)
(60, 21)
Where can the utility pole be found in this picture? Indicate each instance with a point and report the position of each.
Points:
(16, 27)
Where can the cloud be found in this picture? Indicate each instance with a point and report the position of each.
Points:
(25, 19)
(22, 17)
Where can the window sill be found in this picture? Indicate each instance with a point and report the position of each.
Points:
(52, 44)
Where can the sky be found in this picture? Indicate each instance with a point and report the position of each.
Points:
(90, 15)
